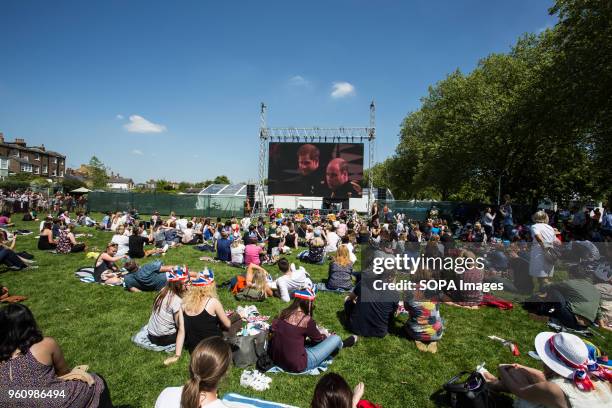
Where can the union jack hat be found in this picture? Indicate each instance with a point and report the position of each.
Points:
(306, 294)
(205, 278)
(180, 274)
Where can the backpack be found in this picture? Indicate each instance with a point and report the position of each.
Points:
(472, 393)
(251, 294)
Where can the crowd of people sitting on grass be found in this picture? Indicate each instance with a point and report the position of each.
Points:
(187, 310)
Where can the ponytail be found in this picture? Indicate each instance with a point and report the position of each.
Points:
(190, 398)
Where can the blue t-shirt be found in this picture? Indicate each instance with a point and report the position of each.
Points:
(224, 252)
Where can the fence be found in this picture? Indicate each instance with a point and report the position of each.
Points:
(187, 204)
(418, 210)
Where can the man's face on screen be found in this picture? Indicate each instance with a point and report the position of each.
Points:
(334, 176)
(307, 165)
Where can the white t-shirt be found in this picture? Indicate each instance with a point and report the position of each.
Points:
(181, 224)
(237, 254)
(171, 398)
(162, 322)
(187, 235)
(122, 241)
(332, 242)
(298, 279)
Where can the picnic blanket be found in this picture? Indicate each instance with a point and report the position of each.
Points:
(239, 401)
(315, 371)
(85, 275)
(142, 340)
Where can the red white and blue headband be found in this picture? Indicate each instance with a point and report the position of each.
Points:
(306, 294)
(205, 278)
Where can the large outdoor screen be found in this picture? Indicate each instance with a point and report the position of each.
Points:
(329, 170)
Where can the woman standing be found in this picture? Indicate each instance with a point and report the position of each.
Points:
(540, 266)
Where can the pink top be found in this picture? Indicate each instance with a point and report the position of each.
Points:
(251, 254)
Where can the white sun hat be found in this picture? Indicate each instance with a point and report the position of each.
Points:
(567, 355)
(563, 353)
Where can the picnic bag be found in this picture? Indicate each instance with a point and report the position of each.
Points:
(247, 349)
(472, 393)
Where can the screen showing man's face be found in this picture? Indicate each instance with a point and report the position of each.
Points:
(306, 164)
(334, 176)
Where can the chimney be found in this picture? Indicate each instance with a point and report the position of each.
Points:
(20, 142)
(1, 137)
(42, 147)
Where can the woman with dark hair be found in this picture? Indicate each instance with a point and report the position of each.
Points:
(211, 360)
(8, 256)
(33, 362)
(332, 391)
(290, 330)
(46, 241)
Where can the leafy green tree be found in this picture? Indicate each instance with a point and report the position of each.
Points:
(221, 180)
(97, 173)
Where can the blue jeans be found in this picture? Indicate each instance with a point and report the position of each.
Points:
(319, 353)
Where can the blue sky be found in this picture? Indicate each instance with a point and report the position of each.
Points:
(172, 89)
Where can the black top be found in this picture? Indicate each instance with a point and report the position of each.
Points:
(272, 243)
(372, 319)
(136, 246)
(99, 269)
(44, 244)
(200, 327)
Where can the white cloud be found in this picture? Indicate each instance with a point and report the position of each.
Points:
(119, 116)
(298, 80)
(138, 124)
(137, 152)
(342, 90)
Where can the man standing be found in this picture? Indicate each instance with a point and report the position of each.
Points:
(506, 212)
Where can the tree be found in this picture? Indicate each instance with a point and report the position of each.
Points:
(221, 180)
(97, 173)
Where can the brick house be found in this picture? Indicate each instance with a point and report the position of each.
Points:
(16, 157)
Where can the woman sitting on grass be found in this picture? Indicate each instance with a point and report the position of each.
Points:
(67, 243)
(333, 391)
(105, 270)
(424, 324)
(316, 249)
(468, 298)
(202, 311)
(290, 330)
(211, 361)
(122, 240)
(30, 361)
(8, 256)
(46, 242)
(166, 325)
(340, 271)
(258, 278)
(237, 252)
(569, 379)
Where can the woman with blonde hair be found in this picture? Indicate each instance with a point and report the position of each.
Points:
(211, 360)
(202, 311)
(340, 271)
(540, 266)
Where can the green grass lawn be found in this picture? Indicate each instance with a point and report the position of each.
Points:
(94, 323)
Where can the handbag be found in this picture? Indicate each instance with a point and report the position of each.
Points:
(551, 254)
(471, 393)
(247, 349)
(251, 294)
